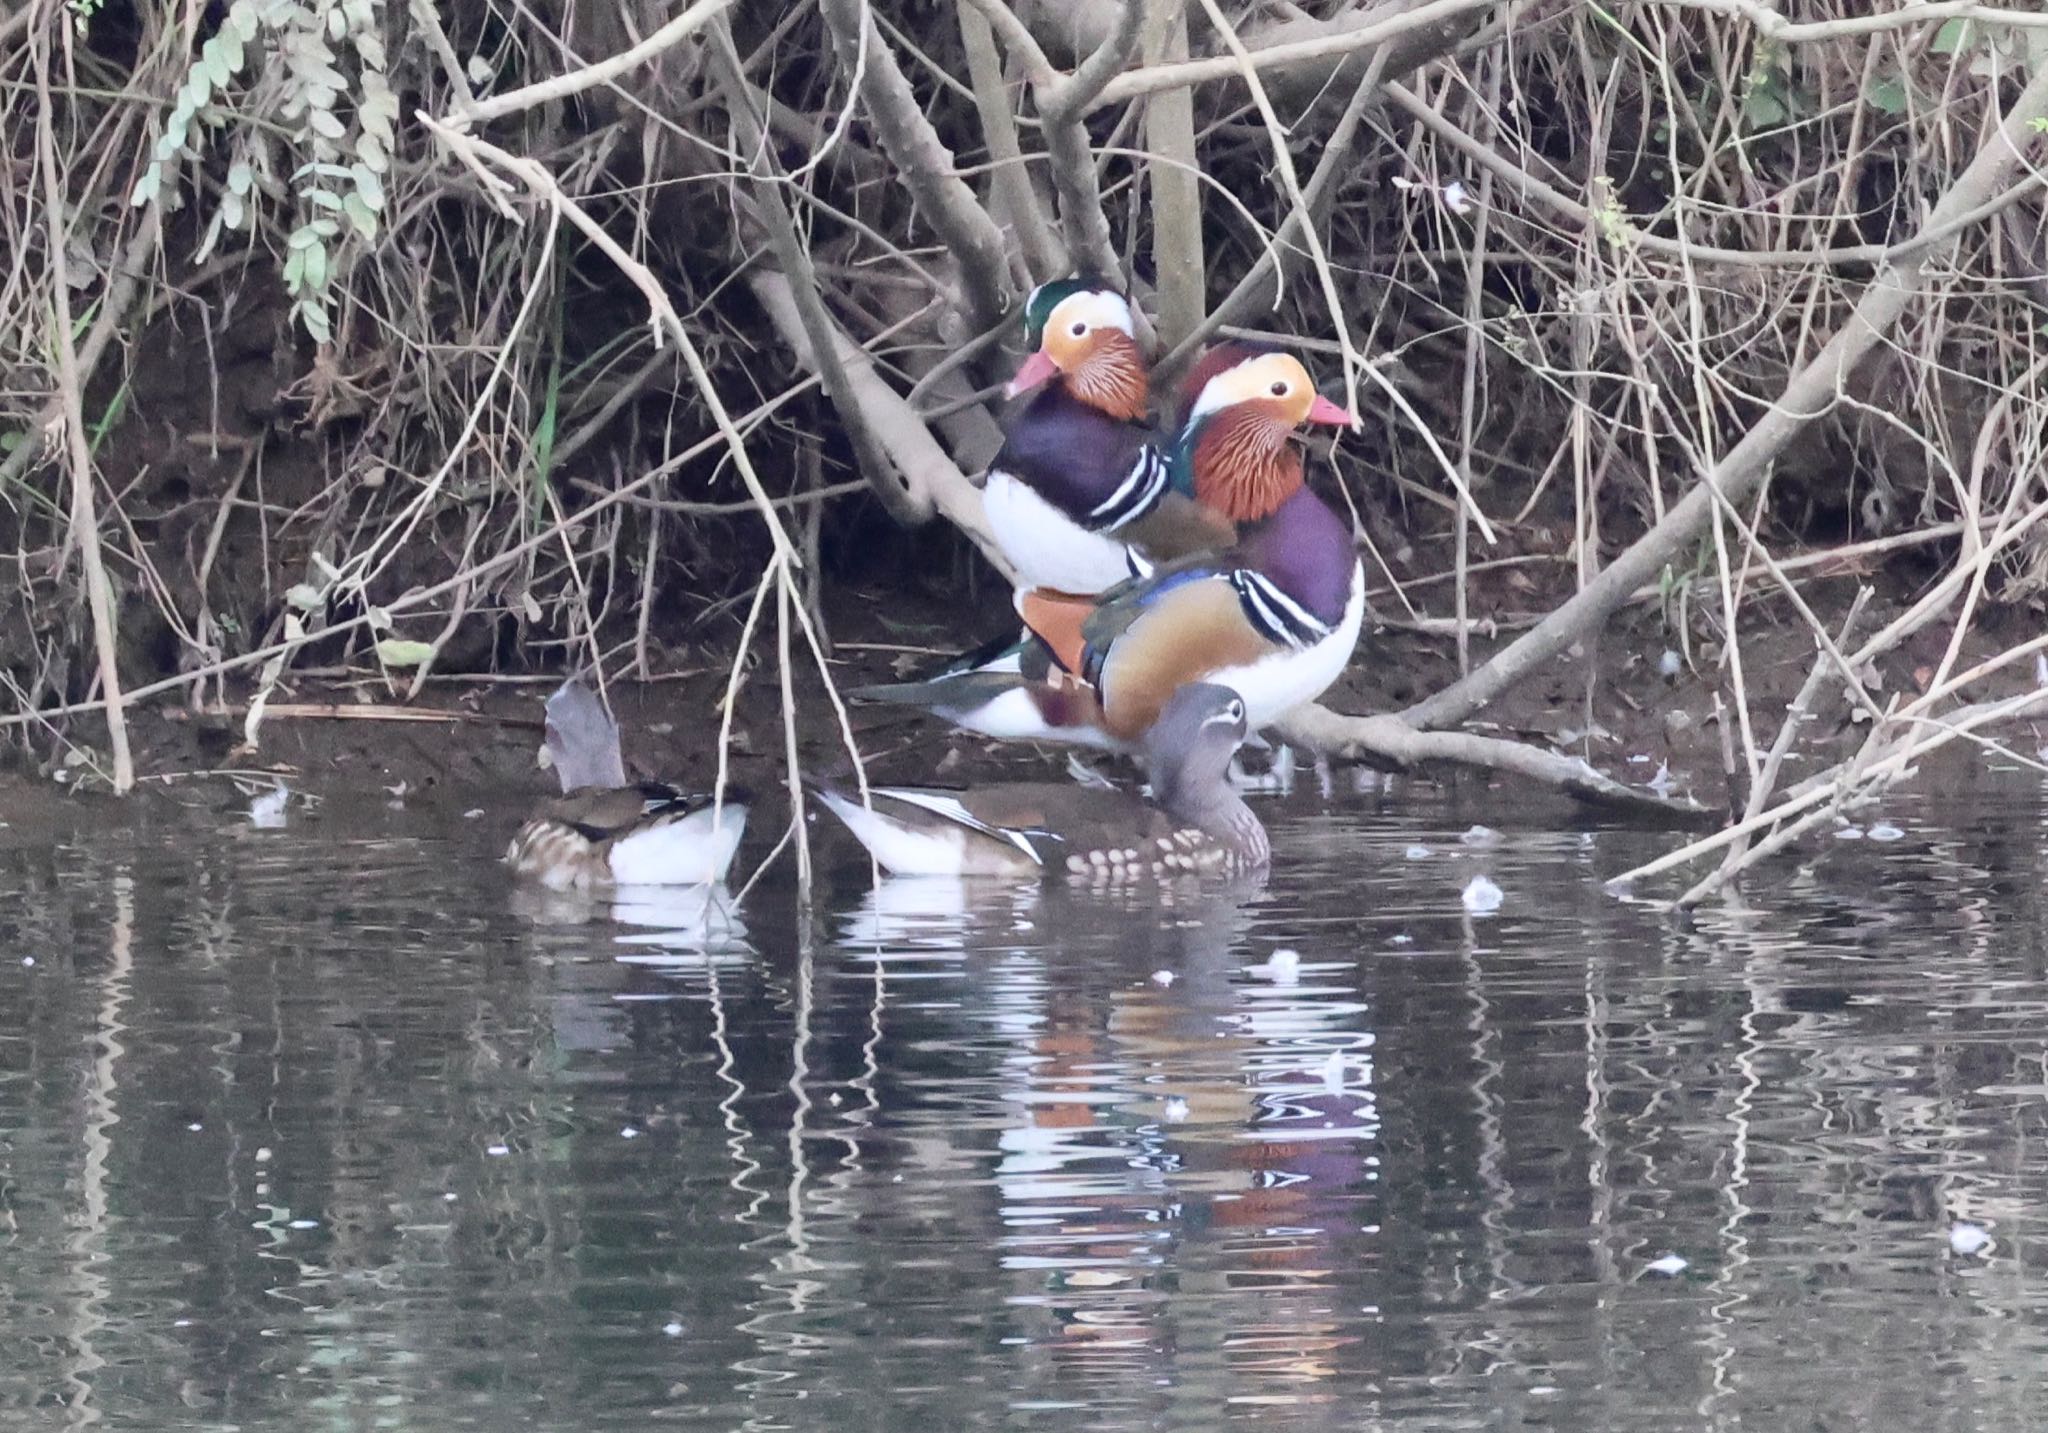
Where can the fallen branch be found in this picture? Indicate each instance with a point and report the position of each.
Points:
(1389, 742)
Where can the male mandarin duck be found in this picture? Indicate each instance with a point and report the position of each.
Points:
(1194, 821)
(1276, 616)
(1080, 497)
(604, 830)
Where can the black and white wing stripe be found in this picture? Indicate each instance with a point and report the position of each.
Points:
(1135, 496)
(1276, 616)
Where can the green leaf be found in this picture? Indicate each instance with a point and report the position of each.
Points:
(304, 596)
(316, 266)
(314, 316)
(324, 199)
(1887, 96)
(360, 215)
(1951, 37)
(243, 20)
(147, 186)
(325, 125)
(1763, 109)
(398, 652)
(241, 178)
(368, 185)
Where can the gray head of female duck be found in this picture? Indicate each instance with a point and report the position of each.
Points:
(582, 739)
(1188, 751)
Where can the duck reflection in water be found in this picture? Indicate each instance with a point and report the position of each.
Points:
(1211, 1090)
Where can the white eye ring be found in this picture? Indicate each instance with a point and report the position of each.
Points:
(1237, 711)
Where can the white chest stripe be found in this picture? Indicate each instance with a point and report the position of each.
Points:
(1277, 616)
(1135, 495)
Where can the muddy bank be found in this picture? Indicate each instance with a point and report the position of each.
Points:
(470, 742)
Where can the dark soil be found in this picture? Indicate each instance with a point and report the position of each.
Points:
(1611, 705)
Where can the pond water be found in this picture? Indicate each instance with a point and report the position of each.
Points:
(325, 1127)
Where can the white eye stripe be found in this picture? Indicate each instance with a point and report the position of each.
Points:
(1095, 309)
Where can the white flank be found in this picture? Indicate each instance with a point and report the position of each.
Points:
(895, 846)
(1275, 685)
(1048, 548)
(694, 851)
(1013, 716)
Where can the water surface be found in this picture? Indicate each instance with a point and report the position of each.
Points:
(327, 1127)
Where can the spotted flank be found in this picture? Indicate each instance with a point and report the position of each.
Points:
(664, 839)
(1193, 821)
(1188, 851)
(604, 830)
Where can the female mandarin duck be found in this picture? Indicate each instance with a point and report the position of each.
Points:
(1276, 616)
(1080, 498)
(1194, 821)
(604, 830)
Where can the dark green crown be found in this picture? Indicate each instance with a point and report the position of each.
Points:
(1041, 301)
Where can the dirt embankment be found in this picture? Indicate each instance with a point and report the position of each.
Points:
(471, 741)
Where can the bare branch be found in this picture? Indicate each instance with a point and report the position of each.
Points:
(924, 162)
(1811, 391)
(602, 72)
(1390, 742)
(908, 505)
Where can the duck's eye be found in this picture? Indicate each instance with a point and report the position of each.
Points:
(1237, 711)
(1280, 390)
(1079, 330)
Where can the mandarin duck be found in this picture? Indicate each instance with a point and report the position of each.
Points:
(1080, 497)
(1276, 616)
(604, 830)
(1193, 821)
